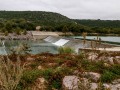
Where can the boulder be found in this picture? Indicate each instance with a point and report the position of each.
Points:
(106, 86)
(110, 60)
(93, 76)
(70, 83)
(94, 86)
(40, 67)
(117, 81)
(115, 87)
(92, 56)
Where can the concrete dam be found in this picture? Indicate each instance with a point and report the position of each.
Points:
(75, 44)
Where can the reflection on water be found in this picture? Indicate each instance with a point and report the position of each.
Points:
(36, 47)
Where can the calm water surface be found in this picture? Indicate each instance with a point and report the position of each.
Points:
(103, 38)
(36, 47)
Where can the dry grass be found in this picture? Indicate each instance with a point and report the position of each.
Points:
(10, 73)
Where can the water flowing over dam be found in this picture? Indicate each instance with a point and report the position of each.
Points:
(75, 44)
(61, 42)
(49, 44)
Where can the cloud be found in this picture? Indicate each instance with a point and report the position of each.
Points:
(80, 9)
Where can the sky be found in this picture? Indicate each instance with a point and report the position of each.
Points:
(75, 9)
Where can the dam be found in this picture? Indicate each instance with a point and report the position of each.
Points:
(51, 43)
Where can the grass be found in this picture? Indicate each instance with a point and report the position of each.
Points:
(30, 76)
(108, 76)
(10, 73)
(66, 50)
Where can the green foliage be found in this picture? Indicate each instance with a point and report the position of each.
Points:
(65, 50)
(30, 76)
(38, 17)
(93, 66)
(30, 19)
(115, 69)
(102, 26)
(65, 29)
(108, 76)
(6, 33)
(47, 73)
(16, 26)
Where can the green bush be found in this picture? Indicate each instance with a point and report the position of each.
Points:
(66, 50)
(115, 69)
(108, 76)
(31, 75)
(47, 73)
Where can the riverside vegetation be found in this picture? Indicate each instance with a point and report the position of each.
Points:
(25, 71)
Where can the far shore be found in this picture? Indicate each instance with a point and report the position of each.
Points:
(30, 35)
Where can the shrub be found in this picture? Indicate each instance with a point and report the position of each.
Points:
(47, 73)
(31, 75)
(115, 69)
(108, 76)
(66, 50)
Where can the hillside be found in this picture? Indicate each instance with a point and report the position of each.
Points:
(37, 17)
(100, 23)
(109, 26)
(50, 21)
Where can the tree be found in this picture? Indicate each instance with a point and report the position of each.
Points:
(8, 27)
(1, 25)
(65, 29)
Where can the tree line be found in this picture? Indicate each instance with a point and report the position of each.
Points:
(16, 21)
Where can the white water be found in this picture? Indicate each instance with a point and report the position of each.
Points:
(51, 39)
(3, 48)
(61, 42)
(48, 39)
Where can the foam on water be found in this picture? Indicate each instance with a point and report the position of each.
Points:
(61, 42)
(48, 39)
(51, 39)
(3, 48)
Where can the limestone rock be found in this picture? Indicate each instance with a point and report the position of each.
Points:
(117, 81)
(110, 60)
(94, 86)
(30, 59)
(92, 56)
(70, 83)
(106, 86)
(40, 67)
(115, 87)
(93, 76)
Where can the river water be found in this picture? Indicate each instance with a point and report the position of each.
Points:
(103, 38)
(35, 47)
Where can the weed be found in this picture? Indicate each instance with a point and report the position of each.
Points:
(66, 50)
(10, 73)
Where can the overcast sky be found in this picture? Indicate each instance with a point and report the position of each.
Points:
(76, 9)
